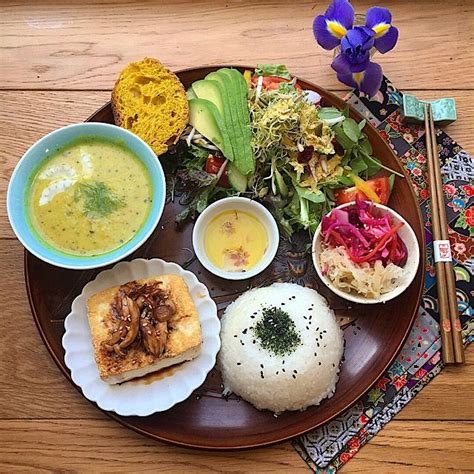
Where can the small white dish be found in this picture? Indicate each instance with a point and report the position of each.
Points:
(134, 398)
(408, 236)
(239, 204)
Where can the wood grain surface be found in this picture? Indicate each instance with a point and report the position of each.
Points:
(58, 63)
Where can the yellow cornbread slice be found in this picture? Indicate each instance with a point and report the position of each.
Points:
(149, 100)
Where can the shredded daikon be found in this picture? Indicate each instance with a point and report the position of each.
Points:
(368, 280)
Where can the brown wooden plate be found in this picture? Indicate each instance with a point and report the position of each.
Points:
(374, 334)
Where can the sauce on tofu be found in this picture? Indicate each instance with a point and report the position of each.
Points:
(90, 197)
(235, 241)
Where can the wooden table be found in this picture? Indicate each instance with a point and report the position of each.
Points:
(59, 61)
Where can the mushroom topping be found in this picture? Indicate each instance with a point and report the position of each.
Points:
(162, 330)
(165, 311)
(132, 318)
(149, 336)
(143, 313)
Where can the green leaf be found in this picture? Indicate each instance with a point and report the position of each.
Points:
(391, 181)
(286, 87)
(281, 185)
(198, 152)
(342, 138)
(317, 196)
(278, 70)
(373, 165)
(329, 113)
(358, 165)
(330, 194)
(365, 146)
(345, 180)
(362, 124)
(351, 129)
(376, 163)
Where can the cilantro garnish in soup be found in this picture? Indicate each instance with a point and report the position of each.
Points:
(89, 197)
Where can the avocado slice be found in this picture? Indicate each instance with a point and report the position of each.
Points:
(190, 94)
(227, 97)
(231, 115)
(240, 84)
(212, 91)
(206, 119)
(245, 160)
(236, 179)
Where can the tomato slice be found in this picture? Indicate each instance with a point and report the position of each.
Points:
(213, 165)
(381, 186)
(271, 83)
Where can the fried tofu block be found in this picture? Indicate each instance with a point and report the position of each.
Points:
(183, 342)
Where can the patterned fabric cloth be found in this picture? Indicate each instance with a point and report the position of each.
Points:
(329, 447)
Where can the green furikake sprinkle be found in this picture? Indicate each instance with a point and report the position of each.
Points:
(276, 332)
(99, 200)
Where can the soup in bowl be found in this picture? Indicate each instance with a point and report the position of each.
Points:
(86, 195)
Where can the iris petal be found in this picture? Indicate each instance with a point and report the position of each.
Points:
(329, 28)
(371, 80)
(387, 41)
(324, 38)
(336, 29)
(355, 50)
(379, 20)
(376, 16)
(380, 29)
(347, 79)
(342, 12)
(341, 65)
(358, 36)
(368, 81)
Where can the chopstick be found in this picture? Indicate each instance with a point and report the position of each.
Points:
(450, 325)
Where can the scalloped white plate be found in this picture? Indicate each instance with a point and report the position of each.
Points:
(135, 399)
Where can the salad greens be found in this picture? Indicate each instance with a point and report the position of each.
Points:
(302, 151)
(275, 70)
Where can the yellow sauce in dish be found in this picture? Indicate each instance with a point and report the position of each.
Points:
(235, 241)
(90, 197)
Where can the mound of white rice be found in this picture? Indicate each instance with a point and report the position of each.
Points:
(256, 369)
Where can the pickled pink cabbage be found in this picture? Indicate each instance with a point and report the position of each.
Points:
(367, 234)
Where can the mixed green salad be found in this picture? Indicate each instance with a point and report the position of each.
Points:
(260, 135)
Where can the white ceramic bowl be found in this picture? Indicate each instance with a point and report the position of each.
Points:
(239, 204)
(135, 398)
(408, 236)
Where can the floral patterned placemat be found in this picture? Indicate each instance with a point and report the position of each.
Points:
(329, 447)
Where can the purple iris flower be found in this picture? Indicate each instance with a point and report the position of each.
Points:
(352, 64)
(355, 50)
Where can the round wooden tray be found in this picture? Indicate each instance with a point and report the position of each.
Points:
(373, 334)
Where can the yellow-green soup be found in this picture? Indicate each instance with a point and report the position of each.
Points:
(89, 197)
